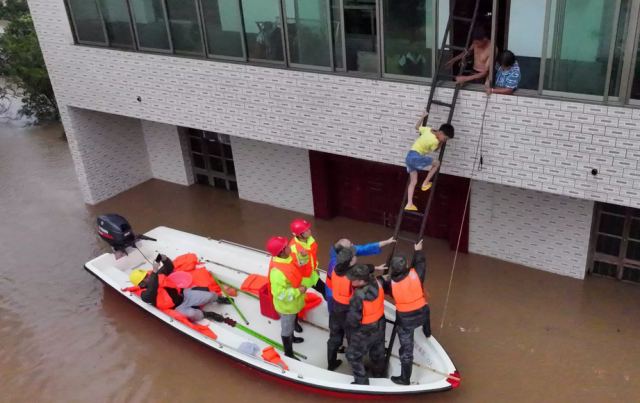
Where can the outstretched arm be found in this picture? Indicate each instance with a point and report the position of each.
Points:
(420, 121)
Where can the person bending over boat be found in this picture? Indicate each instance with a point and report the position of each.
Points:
(366, 323)
(412, 311)
(156, 288)
(285, 280)
(369, 249)
(342, 293)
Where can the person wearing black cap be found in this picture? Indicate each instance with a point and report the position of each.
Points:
(405, 284)
(366, 322)
(342, 293)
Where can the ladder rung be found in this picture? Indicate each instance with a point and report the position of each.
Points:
(464, 19)
(402, 238)
(455, 47)
(441, 103)
(414, 213)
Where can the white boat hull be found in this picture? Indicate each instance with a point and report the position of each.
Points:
(233, 263)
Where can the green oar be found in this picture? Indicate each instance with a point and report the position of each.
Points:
(230, 299)
(219, 318)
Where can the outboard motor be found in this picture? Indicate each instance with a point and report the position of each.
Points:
(116, 231)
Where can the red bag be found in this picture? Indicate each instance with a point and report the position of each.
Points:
(266, 303)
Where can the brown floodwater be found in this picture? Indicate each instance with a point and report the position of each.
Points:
(516, 334)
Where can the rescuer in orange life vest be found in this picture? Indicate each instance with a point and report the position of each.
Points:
(366, 323)
(288, 292)
(157, 289)
(412, 310)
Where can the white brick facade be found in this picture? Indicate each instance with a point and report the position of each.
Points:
(536, 229)
(168, 153)
(272, 174)
(532, 143)
(108, 151)
(540, 147)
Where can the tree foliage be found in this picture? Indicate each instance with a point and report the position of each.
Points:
(22, 64)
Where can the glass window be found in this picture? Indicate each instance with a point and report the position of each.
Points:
(408, 37)
(184, 21)
(338, 40)
(361, 36)
(308, 32)
(117, 22)
(525, 37)
(87, 21)
(635, 87)
(580, 33)
(263, 29)
(223, 25)
(618, 48)
(151, 24)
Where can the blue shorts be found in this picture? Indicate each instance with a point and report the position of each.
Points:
(416, 161)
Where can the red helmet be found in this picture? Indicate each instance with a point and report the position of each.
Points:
(276, 244)
(299, 225)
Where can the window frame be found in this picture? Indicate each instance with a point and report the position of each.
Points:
(284, 61)
(435, 50)
(632, 48)
(134, 44)
(243, 39)
(331, 66)
(199, 21)
(167, 26)
(74, 25)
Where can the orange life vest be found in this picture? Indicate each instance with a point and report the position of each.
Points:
(372, 311)
(202, 278)
(408, 293)
(341, 287)
(163, 299)
(289, 270)
(312, 252)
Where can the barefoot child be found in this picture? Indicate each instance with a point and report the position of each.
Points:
(417, 159)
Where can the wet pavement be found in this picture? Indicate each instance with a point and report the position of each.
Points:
(516, 334)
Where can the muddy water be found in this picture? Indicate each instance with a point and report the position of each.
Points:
(516, 334)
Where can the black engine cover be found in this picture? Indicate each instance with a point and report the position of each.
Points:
(116, 231)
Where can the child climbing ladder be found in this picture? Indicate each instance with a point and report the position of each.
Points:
(417, 159)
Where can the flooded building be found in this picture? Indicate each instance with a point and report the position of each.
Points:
(310, 105)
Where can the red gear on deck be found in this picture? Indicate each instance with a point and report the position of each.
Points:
(276, 244)
(299, 225)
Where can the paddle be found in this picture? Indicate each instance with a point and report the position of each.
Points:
(228, 321)
(252, 295)
(233, 304)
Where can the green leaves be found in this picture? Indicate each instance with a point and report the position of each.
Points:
(22, 64)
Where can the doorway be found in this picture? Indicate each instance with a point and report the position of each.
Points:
(372, 192)
(615, 243)
(212, 159)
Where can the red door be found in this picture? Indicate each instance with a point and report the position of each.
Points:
(372, 192)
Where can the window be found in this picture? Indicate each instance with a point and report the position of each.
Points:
(88, 22)
(580, 39)
(223, 25)
(151, 24)
(184, 21)
(337, 33)
(525, 38)
(117, 23)
(615, 243)
(263, 29)
(409, 37)
(212, 159)
(308, 32)
(361, 35)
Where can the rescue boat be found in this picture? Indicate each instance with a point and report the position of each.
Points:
(232, 263)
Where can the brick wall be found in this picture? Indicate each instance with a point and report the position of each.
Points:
(536, 229)
(537, 144)
(168, 153)
(273, 174)
(108, 151)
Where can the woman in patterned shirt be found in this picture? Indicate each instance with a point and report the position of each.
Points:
(507, 74)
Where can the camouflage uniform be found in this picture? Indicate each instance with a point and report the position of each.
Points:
(365, 339)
